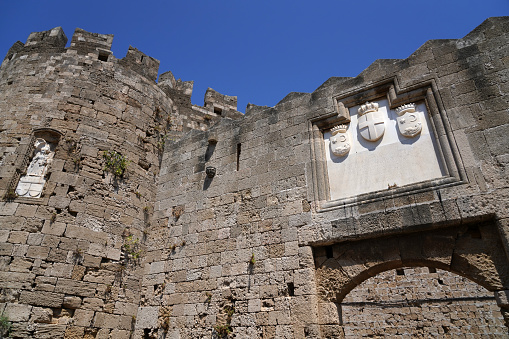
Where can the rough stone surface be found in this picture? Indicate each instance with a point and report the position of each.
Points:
(133, 237)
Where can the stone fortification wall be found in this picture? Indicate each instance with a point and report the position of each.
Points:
(70, 253)
(269, 226)
(64, 267)
(265, 248)
(421, 302)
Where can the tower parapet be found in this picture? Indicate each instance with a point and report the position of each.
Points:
(220, 104)
(86, 42)
(141, 63)
(53, 38)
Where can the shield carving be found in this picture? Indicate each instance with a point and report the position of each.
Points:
(409, 123)
(22, 188)
(370, 122)
(340, 141)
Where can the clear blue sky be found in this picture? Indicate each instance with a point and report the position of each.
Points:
(257, 50)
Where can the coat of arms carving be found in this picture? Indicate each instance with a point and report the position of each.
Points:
(340, 141)
(370, 122)
(409, 123)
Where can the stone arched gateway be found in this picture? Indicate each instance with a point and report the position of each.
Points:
(473, 251)
(420, 302)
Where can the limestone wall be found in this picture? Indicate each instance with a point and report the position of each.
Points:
(220, 226)
(249, 238)
(69, 258)
(420, 302)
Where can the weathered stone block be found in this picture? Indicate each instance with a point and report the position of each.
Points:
(54, 228)
(147, 317)
(45, 299)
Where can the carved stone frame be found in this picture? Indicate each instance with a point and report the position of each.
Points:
(48, 134)
(425, 92)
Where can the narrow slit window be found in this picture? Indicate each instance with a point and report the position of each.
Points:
(238, 156)
(291, 289)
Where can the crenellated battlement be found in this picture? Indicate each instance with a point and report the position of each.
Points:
(96, 47)
(54, 38)
(92, 43)
(141, 63)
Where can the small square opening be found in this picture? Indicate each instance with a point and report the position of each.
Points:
(103, 56)
(218, 110)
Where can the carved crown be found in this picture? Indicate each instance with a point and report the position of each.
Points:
(339, 129)
(405, 108)
(368, 107)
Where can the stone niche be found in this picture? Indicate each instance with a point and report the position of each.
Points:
(382, 142)
(38, 161)
(379, 155)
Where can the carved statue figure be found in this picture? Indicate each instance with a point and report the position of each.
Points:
(31, 184)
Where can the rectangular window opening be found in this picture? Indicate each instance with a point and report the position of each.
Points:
(238, 156)
(400, 271)
(291, 289)
(218, 110)
(432, 270)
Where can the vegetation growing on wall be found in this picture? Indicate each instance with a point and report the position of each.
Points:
(132, 248)
(5, 326)
(115, 163)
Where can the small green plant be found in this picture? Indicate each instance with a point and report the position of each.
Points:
(138, 194)
(11, 194)
(115, 163)
(162, 142)
(132, 247)
(223, 330)
(252, 261)
(229, 311)
(209, 297)
(5, 326)
(53, 217)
